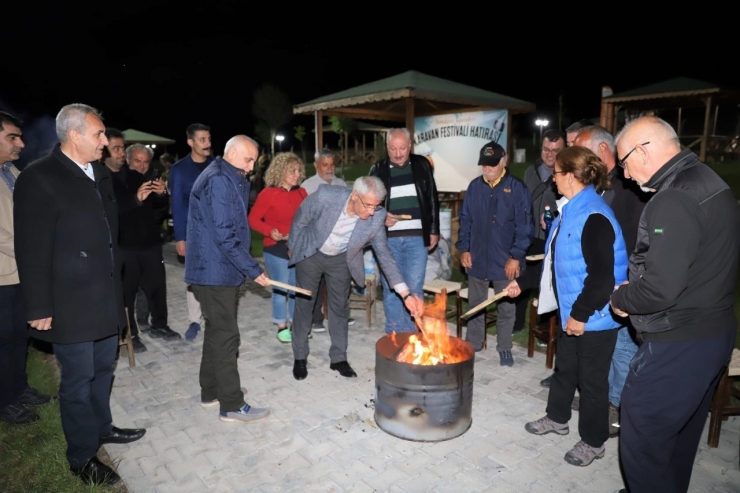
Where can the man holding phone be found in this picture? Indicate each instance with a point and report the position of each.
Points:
(142, 201)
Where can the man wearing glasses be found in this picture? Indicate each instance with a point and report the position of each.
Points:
(538, 178)
(680, 298)
(329, 231)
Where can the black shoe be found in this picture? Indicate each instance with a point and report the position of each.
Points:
(546, 382)
(164, 333)
(139, 346)
(32, 397)
(300, 371)
(122, 435)
(351, 321)
(95, 472)
(17, 414)
(344, 369)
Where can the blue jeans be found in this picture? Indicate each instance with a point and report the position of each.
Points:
(283, 302)
(624, 351)
(410, 255)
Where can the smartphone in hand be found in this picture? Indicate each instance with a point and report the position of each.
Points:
(155, 175)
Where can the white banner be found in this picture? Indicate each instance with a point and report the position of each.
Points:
(453, 143)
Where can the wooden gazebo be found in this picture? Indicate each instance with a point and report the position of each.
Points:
(403, 97)
(679, 93)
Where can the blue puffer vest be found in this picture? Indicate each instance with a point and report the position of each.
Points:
(570, 268)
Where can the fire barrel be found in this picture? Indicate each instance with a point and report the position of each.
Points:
(424, 403)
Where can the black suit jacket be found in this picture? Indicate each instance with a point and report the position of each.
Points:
(66, 237)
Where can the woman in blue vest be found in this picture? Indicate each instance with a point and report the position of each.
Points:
(585, 258)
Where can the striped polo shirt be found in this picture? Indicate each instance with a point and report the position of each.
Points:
(403, 200)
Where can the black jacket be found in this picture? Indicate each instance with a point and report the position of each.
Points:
(139, 222)
(683, 270)
(627, 201)
(426, 191)
(66, 237)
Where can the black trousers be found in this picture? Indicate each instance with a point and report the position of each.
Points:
(665, 402)
(13, 345)
(145, 269)
(219, 374)
(583, 362)
(84, 395)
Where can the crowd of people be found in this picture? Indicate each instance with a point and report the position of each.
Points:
(639, 264)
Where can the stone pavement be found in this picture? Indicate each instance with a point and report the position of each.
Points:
(321, 435)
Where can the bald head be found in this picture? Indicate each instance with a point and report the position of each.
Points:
(241, 152)
(600, 142)
(645, 145)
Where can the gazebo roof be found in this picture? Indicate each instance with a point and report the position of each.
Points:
(385, 99)
(137, 136)
(680, 87)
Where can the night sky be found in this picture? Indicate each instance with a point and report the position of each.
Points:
(145, 69)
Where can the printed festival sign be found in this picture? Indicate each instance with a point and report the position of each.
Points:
(453, 142)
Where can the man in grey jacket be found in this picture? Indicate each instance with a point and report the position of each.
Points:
(329, 231)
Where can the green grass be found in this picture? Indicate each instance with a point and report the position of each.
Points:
(32, 457)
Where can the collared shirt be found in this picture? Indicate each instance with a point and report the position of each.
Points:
(339, 237)
(88, 170)
(312, 184)
(497, 181)
(8, 176)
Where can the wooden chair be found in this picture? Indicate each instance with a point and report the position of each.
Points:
(440, 286)
(721, 406)
(365, 301)
(124, 339)
(490, 320)
(546, 330)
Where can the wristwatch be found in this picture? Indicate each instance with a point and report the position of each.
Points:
(404, 298)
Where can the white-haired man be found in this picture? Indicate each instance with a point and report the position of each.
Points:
(329, 231)
(412, 192)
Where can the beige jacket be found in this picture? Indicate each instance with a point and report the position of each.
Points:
(8, 269)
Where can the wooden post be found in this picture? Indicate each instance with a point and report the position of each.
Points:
(410, 119)
(614, 117)
(705, 134)
(716, 114)
(363, 147)
(678, 127)
(319, 126)
(510, 150)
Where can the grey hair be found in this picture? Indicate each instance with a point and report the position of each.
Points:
(392, 131)
(73, 117)
(665, 128)
(138, 147)
(578, 126)
(237, 139)
(367, 184)
(600, 135)
(324, 153)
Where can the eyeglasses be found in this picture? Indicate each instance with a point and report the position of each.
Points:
(623, 161)
(369, 207)
(561, 172)
(550, 151)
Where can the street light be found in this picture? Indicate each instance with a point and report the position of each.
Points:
(542, 123)
(280, 140)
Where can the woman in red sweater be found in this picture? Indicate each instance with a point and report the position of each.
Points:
(272, 215)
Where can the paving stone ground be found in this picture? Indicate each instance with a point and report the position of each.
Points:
(321, 435)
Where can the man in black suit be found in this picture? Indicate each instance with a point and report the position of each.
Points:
(66, 243)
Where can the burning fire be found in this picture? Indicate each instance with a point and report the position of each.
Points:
(434, 345)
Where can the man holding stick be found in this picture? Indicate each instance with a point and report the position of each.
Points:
(495, 231)
(217, 263)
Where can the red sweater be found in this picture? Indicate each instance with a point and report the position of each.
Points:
(274, 209)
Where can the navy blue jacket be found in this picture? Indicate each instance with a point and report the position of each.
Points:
(182, 176)
(495, 224)
(218, 231)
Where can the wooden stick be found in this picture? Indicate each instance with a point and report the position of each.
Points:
(289, 287)
(477, 307)
(541, 256)
(402, 217)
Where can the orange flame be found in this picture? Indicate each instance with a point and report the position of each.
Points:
(433, 345)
